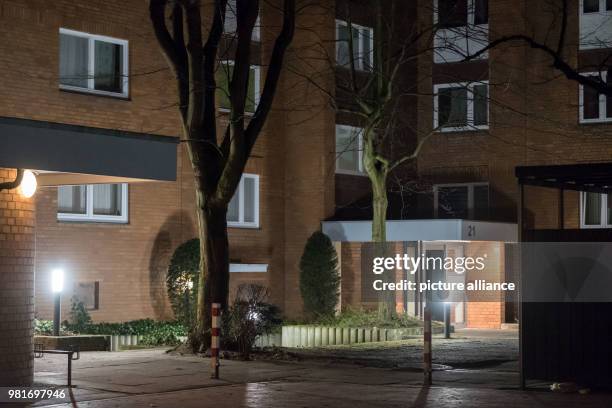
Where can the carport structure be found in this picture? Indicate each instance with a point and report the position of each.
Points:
(564, 341)
(58, 154)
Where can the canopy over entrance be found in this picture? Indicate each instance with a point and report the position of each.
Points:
(68, 154)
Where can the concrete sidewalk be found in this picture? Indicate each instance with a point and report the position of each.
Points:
(152, 378)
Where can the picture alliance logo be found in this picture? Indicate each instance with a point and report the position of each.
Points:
(412, 264)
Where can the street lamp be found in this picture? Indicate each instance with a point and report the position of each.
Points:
(28, 184)
(57, 285)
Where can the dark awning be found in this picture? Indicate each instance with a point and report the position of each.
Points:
(592, 177)
(78, 149)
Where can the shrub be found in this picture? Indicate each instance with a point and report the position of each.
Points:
(319, 280)
(79, 316)
(43, 326)
(154, 333)
(182, 281)
(249, 316)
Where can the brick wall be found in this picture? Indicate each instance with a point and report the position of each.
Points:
(293, 156)
(16, 285)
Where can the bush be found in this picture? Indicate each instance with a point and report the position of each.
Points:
(154, 333)
(248, 317)
(43, 326)
(319, 280)
(79, 316)
(182, 281)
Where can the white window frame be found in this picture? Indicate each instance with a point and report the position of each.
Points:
(470, 195)
(359, 131)
(241, 223)
(602, 101)
(91, 66)
(470, 127)
(604, 222)
(257, 95)
(89, 215)
(359, 66)
(471, 15)
(584, 31)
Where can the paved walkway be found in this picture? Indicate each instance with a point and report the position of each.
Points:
(153, 378)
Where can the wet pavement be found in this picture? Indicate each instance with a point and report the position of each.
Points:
(153, 378)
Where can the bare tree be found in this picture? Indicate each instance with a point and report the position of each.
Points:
(218, 157)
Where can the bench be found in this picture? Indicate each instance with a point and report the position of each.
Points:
(39, 351)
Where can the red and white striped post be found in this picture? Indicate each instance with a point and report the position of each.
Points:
(427, 345)
(215, 340)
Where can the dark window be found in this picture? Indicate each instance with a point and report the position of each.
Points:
(452, 107)
(481, 202)
(590, 103)
(480, 105)
(481, 11)
(609, 5)
(107, 67)
(88, 293)
(452, 13)
(608, 97)
(591, 6)
(453, 202)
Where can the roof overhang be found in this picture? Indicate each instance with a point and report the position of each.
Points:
(424, 230)
(84, 152)
(592, 177)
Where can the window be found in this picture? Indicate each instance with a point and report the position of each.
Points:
(223, 77)
(243, 209)
(88, 293)
(595, 107)
(595, 6)
(349, 155)
(93, 63)
(595, 210)
(595, 28)
(462, 201)
(462, 106)
(461, 13)
(93, 202)
(229, 25)
(363, 46)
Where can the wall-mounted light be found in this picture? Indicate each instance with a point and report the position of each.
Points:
(28, 185)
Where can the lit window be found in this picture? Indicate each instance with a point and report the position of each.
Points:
(595, 210)
(243, 209)
(93, 202)
(595, 106)
(363, 45)
(462, 201)
(462, 106)
(349, 143)
(229, 25)
(93, 63)
(223, 78)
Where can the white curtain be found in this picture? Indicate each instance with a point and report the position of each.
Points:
(107, 199)
(71, 199)
(74, 59)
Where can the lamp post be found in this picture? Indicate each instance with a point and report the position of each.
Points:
(57, 285)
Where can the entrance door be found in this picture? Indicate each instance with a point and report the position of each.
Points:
(436, 274)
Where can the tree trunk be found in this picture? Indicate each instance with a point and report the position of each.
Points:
(213, 285)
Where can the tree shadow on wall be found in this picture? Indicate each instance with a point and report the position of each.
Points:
(177, 228)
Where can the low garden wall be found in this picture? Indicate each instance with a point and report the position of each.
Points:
(319, 336)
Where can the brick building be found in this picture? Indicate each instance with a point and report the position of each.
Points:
(86, 71)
